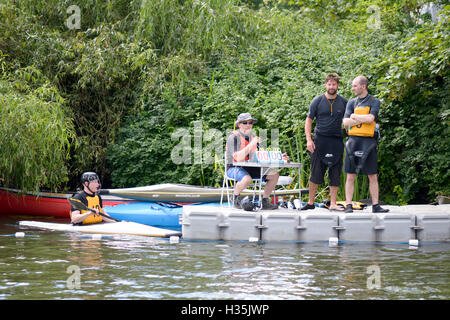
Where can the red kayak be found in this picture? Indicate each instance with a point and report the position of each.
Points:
(12, 201)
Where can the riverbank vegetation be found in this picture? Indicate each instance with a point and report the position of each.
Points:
(107, 86)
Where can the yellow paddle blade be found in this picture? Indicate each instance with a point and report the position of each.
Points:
(77, 204)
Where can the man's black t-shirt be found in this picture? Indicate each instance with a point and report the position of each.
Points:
(328, 114)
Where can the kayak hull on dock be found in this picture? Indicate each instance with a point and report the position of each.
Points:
(182, 193)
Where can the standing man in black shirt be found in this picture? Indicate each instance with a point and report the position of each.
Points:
(327, 147)
(360, 120)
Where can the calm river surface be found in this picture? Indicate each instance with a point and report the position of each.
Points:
(59, 265)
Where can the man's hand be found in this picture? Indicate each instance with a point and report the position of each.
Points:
(310, 145)
(254, 142)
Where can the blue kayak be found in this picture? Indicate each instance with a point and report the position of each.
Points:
(155, 214)
(161, 215)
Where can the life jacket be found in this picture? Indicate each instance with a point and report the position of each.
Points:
(355, 204)
(93, 203)
(363, 129)
(244, 143)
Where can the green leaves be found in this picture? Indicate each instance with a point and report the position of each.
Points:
(413, 80)
(36, 135)
(138, 71)
(275, 75)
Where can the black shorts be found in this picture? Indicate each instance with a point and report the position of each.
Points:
(370, 165)
(318, 169)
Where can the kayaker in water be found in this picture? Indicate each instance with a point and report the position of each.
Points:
(91, 185)
(240, 145)
(360, 119)
(327, 148)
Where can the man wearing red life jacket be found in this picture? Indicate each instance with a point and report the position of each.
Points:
(240, 145)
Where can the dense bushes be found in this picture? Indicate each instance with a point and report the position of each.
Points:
(137, 73)
(275, 79)
(35, 132)
(91, 69)
(414, 82)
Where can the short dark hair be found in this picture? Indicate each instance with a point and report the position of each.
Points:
(332, 76)
(363, 81)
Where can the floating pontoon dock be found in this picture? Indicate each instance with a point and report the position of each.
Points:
(424, 223)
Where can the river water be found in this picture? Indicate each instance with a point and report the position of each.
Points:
(61, 265)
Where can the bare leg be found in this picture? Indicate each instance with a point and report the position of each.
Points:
(312, 191)
(373, 187)
(241, 185)
(272, 181)
(333, 196)
(350, 187)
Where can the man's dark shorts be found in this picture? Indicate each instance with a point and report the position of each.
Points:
(370, 165)
(318, 169)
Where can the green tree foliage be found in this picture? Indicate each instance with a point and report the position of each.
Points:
(36, 133)
(414, 82)
(119, 89)
(275, 79)
(91, 67)
(277, 76)
(388, 15)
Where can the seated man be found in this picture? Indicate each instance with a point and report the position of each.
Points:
(240, 145)
(91, 185)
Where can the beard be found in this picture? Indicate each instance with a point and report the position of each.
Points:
(331, 92)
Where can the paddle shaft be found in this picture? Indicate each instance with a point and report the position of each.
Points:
(77, 204)
(102, 214)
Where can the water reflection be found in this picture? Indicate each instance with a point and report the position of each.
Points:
(129, 267)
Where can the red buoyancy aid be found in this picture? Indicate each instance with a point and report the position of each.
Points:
(244, 143)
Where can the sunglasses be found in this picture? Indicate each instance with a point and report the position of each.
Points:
(247, 122)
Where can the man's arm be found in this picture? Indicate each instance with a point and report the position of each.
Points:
(309, 141)
(347, 122)
(312, 113)
(356, 119)
(362, 118)
(77, 217)
(349, 111)
(240, 155)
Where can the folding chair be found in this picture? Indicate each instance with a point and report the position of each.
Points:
(256, 184)
(282, 181)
